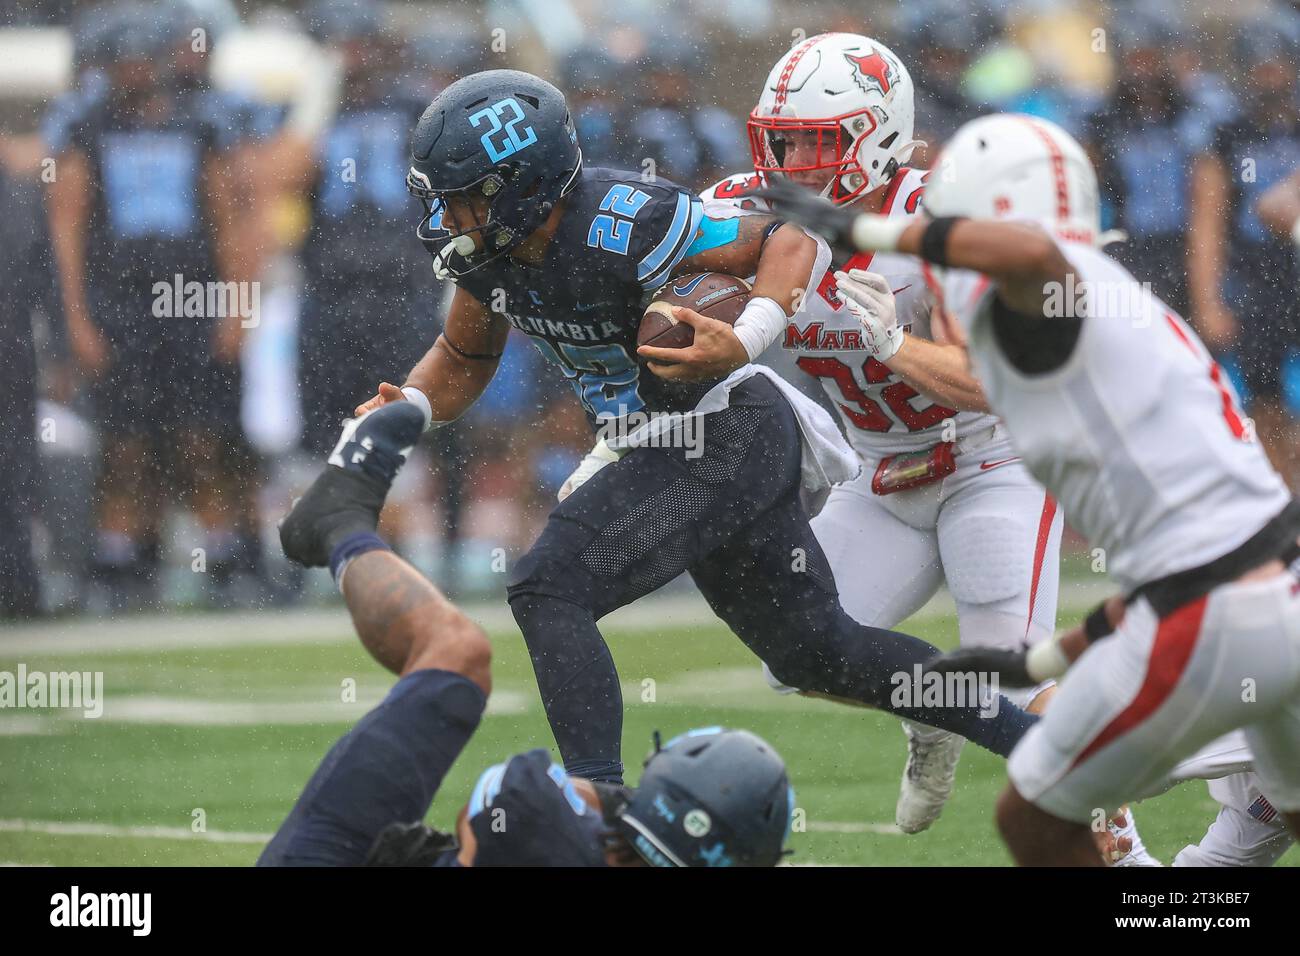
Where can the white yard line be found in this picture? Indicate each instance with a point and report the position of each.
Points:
(828, 826)
(55, 828)
(158, 632)
(15, 726)
(172, 631)
(173, 711)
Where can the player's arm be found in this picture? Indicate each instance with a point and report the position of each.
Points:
(1206, 241)
(234, 263)
(68, 205)
(780, 256)
(459, 366)
(1022, 260)
(1279, 207)
(939, 371)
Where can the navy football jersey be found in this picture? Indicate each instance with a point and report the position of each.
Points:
(361, 211)
(1256, 157)
(526, 812)
(619, 239)
(68, 108)
(148, 212)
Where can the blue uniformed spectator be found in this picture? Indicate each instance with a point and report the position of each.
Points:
(1242, 277)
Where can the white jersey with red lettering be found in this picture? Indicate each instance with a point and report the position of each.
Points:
(1139, 435)
(882, 414)
(987, 530)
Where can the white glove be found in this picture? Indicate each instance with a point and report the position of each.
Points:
(596, 459)
(871, 302)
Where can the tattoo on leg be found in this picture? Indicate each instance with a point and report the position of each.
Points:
(392, 604)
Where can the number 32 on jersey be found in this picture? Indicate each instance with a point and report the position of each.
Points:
(864, 411)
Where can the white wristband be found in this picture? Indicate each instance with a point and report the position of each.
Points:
(420, 401)
(759, 325)
(1046, 660)
(873, 233)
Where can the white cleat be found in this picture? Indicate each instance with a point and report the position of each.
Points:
(928, 777)
(1137, 854)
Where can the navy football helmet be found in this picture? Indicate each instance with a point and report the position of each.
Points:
(711, 797)
(504, 136)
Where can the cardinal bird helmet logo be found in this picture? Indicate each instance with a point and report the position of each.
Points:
(874, 71)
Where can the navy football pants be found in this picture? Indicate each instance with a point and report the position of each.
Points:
(732, 518)
(386, 769)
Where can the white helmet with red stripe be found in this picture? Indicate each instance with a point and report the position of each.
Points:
(836, 115)
(1010, 166)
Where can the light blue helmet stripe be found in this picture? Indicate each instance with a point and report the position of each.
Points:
(486, 789)
(695, 732)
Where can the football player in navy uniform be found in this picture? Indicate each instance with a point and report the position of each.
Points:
(1242, 277)
(137, 200)
(567, 254)
(710, 797)
(356, 322)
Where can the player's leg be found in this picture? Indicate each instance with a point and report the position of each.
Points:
(1143, 699)
(1121, 844)
(774, 589)
(1247, 832)
(1264, 619)
(885, 568)
(630, 529)
(1000, 544)
(387, 769)
(1275, 742)
(999, 538)
(1038, 838)
(904, 570)
(124, 405)
(881, 593)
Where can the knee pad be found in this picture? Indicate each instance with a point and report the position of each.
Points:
(1004, 569)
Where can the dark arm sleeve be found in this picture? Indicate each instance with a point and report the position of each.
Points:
(1032, 344)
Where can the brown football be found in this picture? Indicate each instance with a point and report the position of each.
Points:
(715, 294)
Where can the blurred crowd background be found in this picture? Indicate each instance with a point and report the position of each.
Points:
(149, 447)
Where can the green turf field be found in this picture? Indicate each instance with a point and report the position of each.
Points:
(226, 732)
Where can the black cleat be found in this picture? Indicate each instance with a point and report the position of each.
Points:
(377, 443)
(349, 494)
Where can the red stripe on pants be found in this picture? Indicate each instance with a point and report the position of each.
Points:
(1175, 640)
(1040, 549)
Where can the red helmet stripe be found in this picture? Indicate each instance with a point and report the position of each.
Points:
(783, 81)
(1058, 170)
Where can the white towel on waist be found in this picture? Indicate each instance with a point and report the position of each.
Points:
(826, 460)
